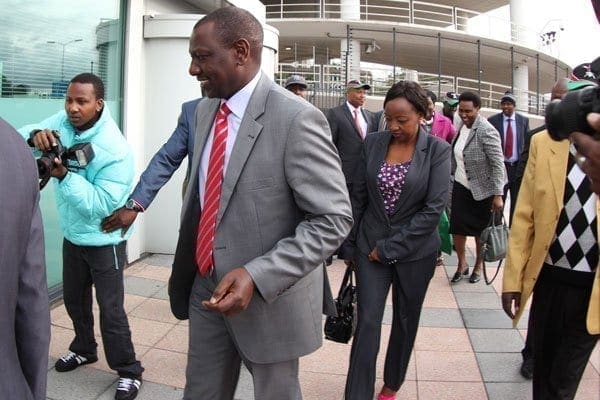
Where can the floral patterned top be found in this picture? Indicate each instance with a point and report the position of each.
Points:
(390, 181)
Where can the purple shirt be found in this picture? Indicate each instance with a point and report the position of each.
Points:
(390, 181)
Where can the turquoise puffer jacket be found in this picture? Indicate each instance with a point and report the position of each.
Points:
(84, 197)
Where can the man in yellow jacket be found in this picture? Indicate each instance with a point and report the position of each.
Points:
(553, 252)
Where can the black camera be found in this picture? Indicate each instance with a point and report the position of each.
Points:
(569, 114)
(75, 157)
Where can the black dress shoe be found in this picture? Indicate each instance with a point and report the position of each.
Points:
(527, 368)
(474, 277)
(458, 275)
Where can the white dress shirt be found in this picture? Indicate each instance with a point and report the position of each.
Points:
(515, 156)
(460, 174)
(361, 118)
(237, 104)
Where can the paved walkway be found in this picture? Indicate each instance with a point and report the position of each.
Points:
(465, 348)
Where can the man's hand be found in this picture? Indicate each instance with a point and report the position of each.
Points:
(45, 139)
(233, 293)
(589, 147)
(121, 218)
(508, 299)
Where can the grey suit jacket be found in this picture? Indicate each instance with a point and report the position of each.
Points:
(484, 159)
(410, 233)
(25, 326)
(522, 124)
(284, 209)
(346, 138)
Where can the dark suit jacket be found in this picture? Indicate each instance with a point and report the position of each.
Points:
(411, 232)
(346, 138)
(284, 209)
(522, 124)
(166, 160)
(25, 326)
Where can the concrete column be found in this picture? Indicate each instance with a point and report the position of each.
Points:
(350, 9)
(353, 58)
(411, 75)
(521, 85)
(520, 17)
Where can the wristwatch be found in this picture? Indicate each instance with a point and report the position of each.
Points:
(132, 205)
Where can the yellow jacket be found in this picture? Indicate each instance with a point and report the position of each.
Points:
(538, 207)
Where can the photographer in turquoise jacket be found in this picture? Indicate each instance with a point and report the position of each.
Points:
(84, 196)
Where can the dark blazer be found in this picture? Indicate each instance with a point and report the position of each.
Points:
(346, 138)
(284, 209)
(411, 232)
(522, 124)
(25, 326)
(170, 156)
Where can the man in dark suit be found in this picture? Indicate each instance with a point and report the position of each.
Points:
(266, 204)
(159, 170)
(25, 327)
(350, 123)
(513, 128)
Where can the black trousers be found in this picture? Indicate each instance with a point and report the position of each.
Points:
(84, 266)
(513, 186)
(562, 345)
(409, 281)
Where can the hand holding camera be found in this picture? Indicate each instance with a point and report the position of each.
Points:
(588, 147)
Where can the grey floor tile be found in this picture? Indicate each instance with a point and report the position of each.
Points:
(505, 391)
(464, 286)
(489, 301)
(143, 286)
(80, 384)
(149, 391)
(500, 367)
(159, 260)
(441, 318)
(476, 318)
(162, 294)
(496, 340)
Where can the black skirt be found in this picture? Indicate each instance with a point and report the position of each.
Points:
(469, 217)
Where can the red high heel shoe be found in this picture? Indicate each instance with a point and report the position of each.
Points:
(381, 396)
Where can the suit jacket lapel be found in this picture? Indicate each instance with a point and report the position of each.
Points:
(207, 109)
(379, 152)
(557, 165)
(247, 135)
(350, 117)
(411, 179)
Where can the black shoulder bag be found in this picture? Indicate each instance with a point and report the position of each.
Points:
(341, 328)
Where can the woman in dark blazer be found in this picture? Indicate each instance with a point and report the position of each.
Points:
(400, 190)
(479, 179)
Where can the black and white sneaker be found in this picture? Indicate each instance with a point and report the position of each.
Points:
(128, 388)
(72, 361)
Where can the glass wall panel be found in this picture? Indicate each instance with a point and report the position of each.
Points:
(43, 44)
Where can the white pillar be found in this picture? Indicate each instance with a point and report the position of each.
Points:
(350, 9)
(521, 85)
(411, 75)
(520, 17)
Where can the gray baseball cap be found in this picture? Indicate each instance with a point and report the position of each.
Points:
(296, 80)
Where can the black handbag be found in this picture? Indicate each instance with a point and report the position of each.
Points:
(493, 239)
(341, 328)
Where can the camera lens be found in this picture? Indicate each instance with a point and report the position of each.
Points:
(569, 114)
(44, 165)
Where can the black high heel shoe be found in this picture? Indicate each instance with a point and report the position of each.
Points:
(459, 275)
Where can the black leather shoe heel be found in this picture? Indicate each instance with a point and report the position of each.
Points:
(474, 278)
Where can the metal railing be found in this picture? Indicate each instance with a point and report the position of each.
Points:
(406, 12)
(326, 86)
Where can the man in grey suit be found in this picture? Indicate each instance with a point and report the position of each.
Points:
(350, 123)
(25, 327)
(266, 177)
(513, 128)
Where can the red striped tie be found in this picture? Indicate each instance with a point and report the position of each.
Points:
(212, 194)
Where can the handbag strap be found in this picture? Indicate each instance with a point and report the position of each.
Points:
(485, 276)
(348, 278)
